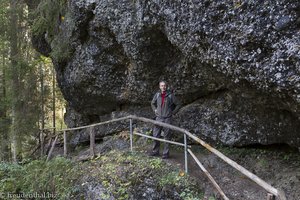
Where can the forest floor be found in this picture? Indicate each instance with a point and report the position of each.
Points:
(277, 165)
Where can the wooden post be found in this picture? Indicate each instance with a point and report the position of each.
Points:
(185, 154)
(212, 180)
(48, 145)
(131, 135)
(279, 194)
(52, 147)
(65, 144)
(92, 142)
(270, 196)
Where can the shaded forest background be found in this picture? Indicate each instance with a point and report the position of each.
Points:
(30, 100)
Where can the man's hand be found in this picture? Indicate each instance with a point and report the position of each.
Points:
(155, 111)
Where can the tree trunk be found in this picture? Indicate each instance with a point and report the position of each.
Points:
(14, 68)
(42, 136)
(3, 116)
(53, 100)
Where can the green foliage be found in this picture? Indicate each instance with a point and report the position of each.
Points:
(55, 177)
(188, 194)
(173, 178)
(263, 162)
(62, 49)
(183, 183)
(4, 5)
(122, 172)
(21, 72)
(9, 176)
(286, 157)
(156, 163)
(47, 17)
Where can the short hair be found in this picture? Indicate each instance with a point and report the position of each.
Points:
(162, 81)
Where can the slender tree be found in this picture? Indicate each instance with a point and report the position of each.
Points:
(28, 94)
(4, 119)
(53, 101)
(15, 85)
(42, 110)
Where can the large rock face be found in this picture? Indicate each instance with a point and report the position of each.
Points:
(235, 65)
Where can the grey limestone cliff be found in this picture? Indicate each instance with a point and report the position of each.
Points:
(235, 65)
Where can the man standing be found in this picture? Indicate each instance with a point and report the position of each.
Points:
(165, 105)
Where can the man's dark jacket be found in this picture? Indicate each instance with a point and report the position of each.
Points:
(170, 107)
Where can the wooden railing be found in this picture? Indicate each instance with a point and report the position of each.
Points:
(272, 192)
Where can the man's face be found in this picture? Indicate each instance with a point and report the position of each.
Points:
(162, 86)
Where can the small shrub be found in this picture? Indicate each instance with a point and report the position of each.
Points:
(9, 177)
(56, 177)
(173, 178)
(121, 172)
(183, 183)
(62, 49)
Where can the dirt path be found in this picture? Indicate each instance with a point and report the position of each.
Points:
(234, 184)
(277, 165)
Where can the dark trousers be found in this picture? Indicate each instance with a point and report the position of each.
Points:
(157, 133)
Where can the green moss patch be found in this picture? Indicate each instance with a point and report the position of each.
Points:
(123, 174)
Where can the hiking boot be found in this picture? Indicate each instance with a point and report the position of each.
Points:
(166, 156)
(154, 153)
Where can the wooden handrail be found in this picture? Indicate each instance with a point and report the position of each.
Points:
(52, 147)
(96, 124)
(161, 140)
(59, 132)
(208, 175)
(250, 175)
(232, 163)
